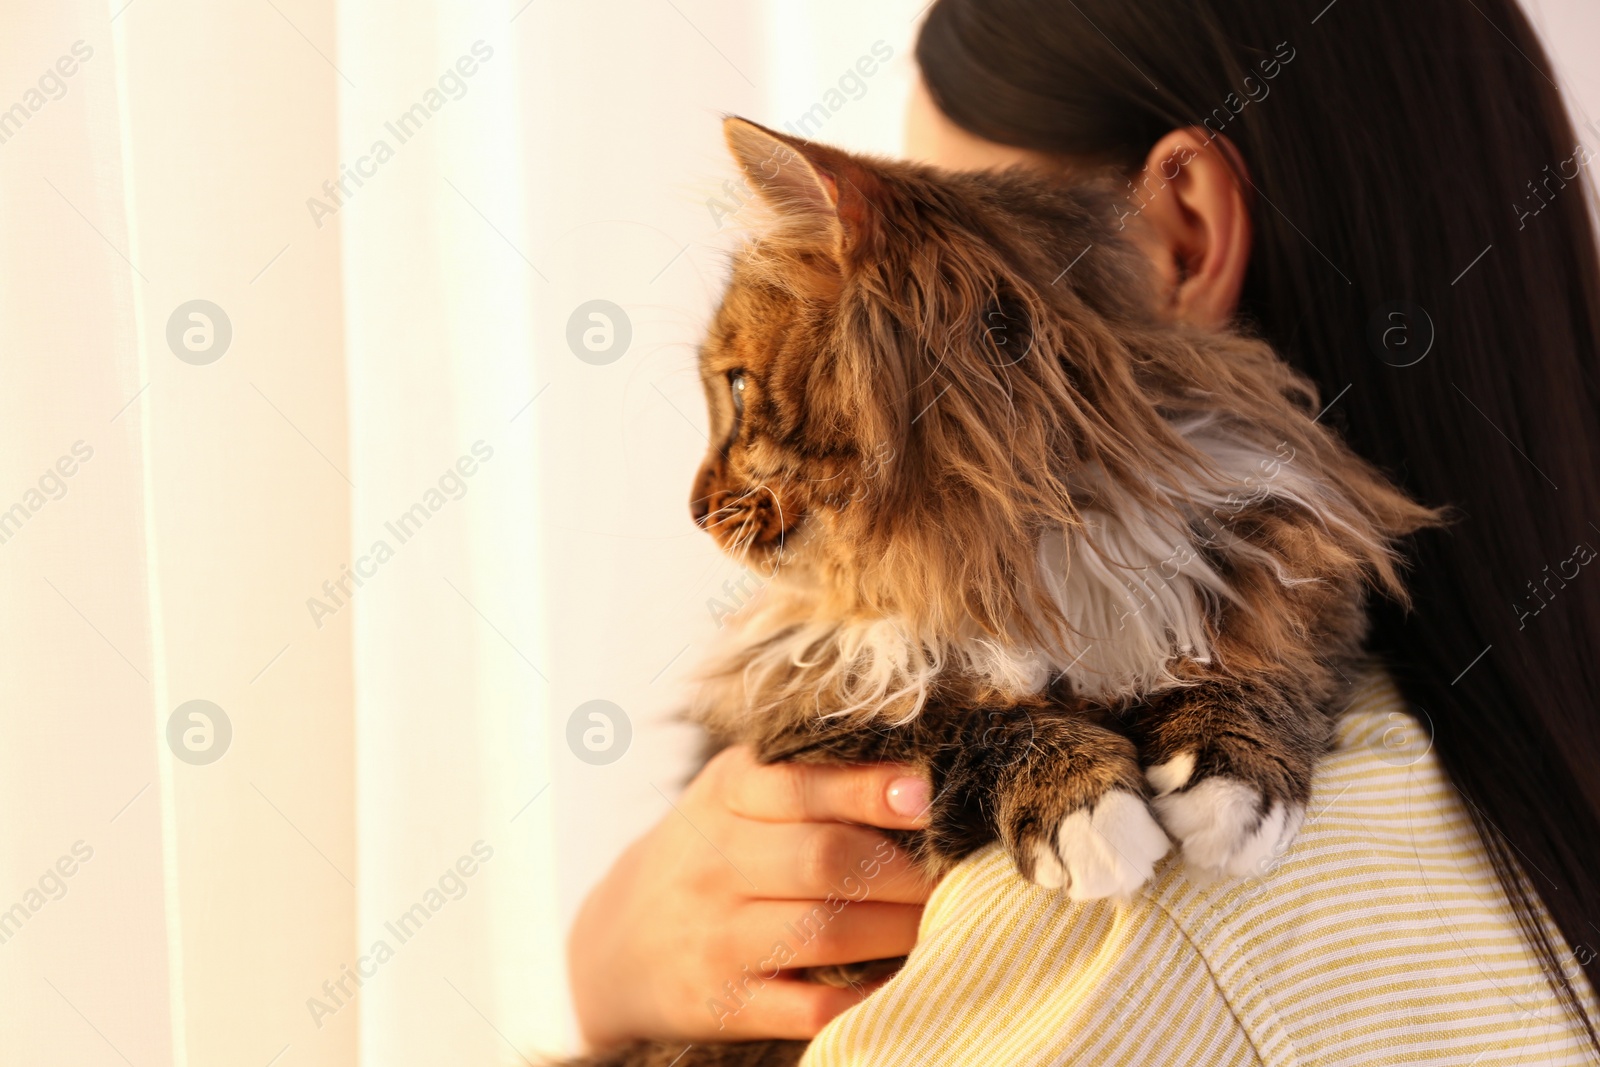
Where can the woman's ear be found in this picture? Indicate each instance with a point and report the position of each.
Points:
(1190, 212)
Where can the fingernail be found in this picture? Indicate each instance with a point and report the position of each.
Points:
(909, 796)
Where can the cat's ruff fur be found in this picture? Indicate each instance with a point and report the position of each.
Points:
(1131, 584)
(1097, 573)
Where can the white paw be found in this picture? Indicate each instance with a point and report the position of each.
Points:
(1221, 829)
(1108, 850)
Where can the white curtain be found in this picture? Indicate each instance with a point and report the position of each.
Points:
(300, 421)
(292, 428)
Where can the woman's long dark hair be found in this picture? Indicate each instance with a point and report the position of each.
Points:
(1424, 251)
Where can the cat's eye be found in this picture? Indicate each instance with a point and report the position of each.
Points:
(736, 387)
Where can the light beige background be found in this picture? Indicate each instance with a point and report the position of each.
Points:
(369, 353)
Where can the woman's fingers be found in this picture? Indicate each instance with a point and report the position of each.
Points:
(784, 1008)
(757, 871)
(838, 932)
(811, 861)
(885, 795)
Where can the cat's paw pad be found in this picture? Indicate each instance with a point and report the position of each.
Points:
(1222, 823)
(1108, 849)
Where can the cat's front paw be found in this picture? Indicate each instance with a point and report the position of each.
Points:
(1225, 825)
(1105, 849)
(1064, 795)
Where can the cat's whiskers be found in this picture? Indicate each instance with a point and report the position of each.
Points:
(722, 515)
(748, 542)
(727, 511)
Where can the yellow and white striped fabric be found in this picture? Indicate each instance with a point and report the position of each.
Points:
(1381, 937)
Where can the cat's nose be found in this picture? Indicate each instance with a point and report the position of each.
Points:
(699, 508)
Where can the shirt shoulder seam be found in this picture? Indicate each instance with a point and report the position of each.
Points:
(1227, 999)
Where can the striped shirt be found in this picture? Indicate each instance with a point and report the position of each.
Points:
(1380, 937)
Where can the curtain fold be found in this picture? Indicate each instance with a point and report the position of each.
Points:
(81, 852)
(453, 806)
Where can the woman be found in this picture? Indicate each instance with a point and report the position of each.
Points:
(1393, 195)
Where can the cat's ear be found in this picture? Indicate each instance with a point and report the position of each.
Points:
(824, 190)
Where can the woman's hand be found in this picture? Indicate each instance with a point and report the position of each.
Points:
(738, 869)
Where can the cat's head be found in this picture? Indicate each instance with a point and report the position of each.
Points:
(917, 377)
(884, 375)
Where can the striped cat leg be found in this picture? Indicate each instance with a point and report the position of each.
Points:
(1062, 793)
(1230, 765)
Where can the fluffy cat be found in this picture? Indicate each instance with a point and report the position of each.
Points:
(1100, 575)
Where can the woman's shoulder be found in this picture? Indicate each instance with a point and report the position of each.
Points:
(1379, 934)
